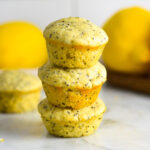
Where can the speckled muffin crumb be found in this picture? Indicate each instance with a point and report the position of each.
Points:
(18, 102)
(72, 88)
(71, 98)
(73, 78)
(76, 31)
(74, 42)
(18, 81)
(19, 91)
(71, 123)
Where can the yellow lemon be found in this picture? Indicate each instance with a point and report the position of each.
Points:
(21, 45)
(128, 49)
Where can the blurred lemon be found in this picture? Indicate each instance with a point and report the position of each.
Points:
(21, 46)
(128, 49)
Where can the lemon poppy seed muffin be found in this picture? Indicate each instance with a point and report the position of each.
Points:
(19, 91)
(72, 88)
(71, 123)
(74, 42)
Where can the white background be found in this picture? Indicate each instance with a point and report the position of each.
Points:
(42, 12)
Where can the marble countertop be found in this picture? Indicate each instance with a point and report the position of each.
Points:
(126, 126)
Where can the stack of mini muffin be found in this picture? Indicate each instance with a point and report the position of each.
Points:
(73, 77)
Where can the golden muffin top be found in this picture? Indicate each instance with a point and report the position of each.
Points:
(60, 114)
(18, 81)
(78, 78)
(75, 31)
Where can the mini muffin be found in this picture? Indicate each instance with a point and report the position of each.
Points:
(19, 91)
(71, 123)
(72, 88)
(74, 42)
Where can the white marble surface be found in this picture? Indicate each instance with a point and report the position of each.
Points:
(126, 126)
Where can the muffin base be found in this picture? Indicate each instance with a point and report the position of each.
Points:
(72, 129)
(73, 57)
(71, 98)
(18, 102)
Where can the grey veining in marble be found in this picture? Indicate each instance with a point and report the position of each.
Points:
(126, 126)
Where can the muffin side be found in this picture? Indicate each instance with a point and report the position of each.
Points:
(70, 129)
(73, 98)
(19, 102)
(71, 123)
(72, 57)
